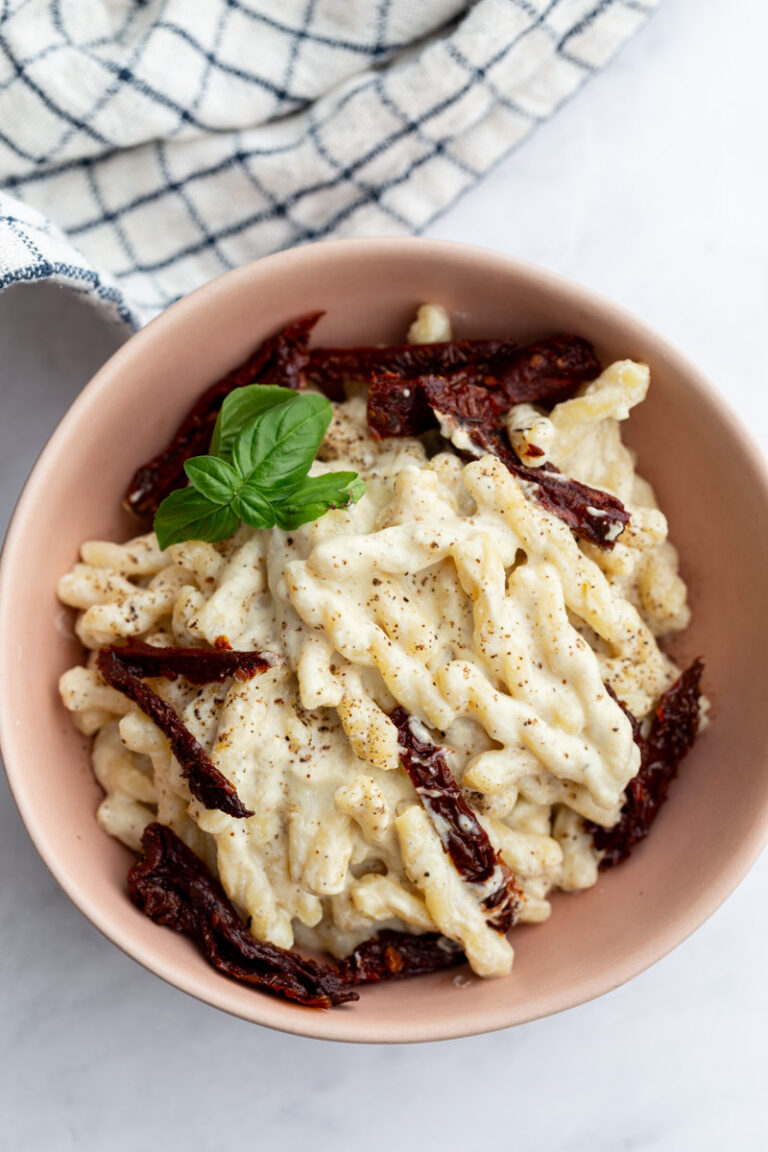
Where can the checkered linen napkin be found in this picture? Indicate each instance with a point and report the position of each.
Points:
(148, 145)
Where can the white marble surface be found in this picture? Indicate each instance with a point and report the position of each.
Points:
(649, 186)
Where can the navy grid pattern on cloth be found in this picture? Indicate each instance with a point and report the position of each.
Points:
(149, 145)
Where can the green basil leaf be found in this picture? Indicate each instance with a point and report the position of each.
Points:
(240, 409)
(213, 478)
(333, 487)
(276, 451)
(253, 508)
(188, 515)
(316, 496)
(219, 525)
(264, 443)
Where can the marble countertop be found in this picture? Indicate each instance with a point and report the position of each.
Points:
(650, 187)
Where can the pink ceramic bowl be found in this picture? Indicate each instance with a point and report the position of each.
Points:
(710, 481)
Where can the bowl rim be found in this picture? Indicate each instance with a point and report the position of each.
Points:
(339, 1025)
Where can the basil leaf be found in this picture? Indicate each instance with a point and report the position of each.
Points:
(316, 496)
(240, 409)
(265, 441)
(188, 515)
(213, 478)
(253, 508)
(276, 451)
(219, 525)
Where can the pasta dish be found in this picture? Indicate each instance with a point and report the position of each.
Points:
(459, 676)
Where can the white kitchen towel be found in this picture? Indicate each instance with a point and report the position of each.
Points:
(148, 145)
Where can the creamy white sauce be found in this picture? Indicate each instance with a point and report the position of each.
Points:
(447, 590)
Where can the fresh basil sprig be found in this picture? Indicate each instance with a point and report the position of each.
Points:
(262, 448)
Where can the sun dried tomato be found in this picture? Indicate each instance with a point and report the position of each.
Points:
(198, 665)
(461, 834)
(592, 513)
(397, 407)
(673, 731)
(123, 667)
(332, 366)
(474, 396)
(281, 360)
(398, 955)
(469, 404)
(548, 371)
(173, 887)
(544, 372)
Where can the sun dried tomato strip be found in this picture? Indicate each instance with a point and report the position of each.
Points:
(591, 513)
(673, 731)
(544, 372)
(206, 783)
(174, 888)
(398, 955)
(461, 834)
(408, 408)
(398, 407)
(172, 885)
(198, 665)
(332, 366)
(284, 357)
(281, 359)
(548, 371)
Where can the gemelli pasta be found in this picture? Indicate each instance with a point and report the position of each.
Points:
(519, 650)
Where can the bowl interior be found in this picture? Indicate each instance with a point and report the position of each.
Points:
(709, 480)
